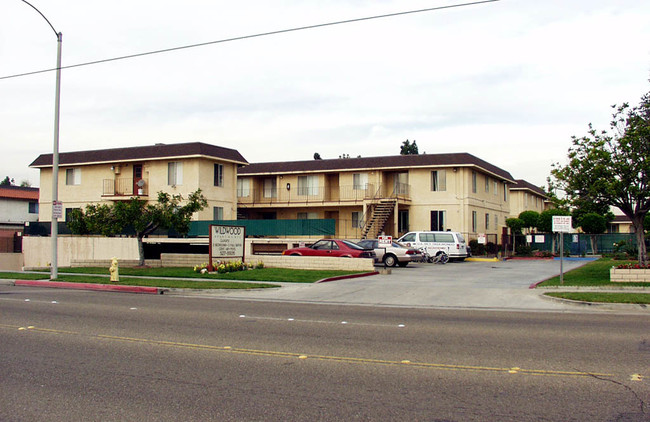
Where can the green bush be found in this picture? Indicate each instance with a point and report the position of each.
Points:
(524, 250)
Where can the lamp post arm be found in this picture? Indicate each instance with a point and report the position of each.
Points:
(58, 34)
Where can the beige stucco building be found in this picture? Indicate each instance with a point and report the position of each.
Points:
(394, 194)
(524, 196)
(109, 175)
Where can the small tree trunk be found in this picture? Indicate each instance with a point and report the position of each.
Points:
(140, 251)
(637, 222)
(593, 244)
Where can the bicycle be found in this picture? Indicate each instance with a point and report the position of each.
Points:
(440, 258)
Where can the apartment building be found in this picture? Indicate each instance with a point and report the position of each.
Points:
(370, 195)
(524, 196)
(109, 175)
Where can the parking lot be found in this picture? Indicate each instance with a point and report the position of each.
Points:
(475, 285)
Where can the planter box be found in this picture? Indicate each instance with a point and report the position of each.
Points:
(629, 275)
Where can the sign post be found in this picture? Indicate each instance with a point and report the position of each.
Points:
(561, 225)
(384, 242)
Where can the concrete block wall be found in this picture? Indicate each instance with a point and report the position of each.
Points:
(629, 275)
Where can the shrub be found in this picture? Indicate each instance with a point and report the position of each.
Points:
(477, 248)
(491, 248)
(523, 250)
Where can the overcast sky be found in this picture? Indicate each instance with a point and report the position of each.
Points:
(508, 81)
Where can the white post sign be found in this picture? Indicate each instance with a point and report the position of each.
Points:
(384, 241)
(561, 224)
(227, 242)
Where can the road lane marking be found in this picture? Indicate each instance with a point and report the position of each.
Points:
(306, 356)
(316, 321)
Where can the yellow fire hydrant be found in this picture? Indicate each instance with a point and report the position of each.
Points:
(114, 270)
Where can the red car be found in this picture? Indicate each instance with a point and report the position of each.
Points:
(332, 247)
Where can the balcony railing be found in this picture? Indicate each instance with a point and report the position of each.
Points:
(339, 194)
(124, 187)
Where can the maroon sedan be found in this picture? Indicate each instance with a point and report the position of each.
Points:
(332, 247)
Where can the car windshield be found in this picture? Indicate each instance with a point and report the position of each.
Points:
(352, 245)
(461, 239)
(368, 244)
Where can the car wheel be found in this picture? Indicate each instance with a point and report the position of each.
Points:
(390, 260)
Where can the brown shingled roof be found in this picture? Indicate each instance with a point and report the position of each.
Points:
(19, 192)
(158, 151)
(522, 185)
(388, 162)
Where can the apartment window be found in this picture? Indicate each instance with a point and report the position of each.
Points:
(174, 173)
(270, 188)
(439, 180)
(495, 187)
(487, 184)
(73, 176)
(307, 215)
(401, 183)
(360, 181)
(487, 221)
(357, 220)
(474, 182)
(505, 191)
(243, 187)
(438, 221)
(307, 185)
(68, 213)
(403, 221)
(474, 221)
(218, 175)
(33, 207)
(217, 213)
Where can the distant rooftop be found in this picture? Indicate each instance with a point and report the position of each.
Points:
(150, 152)
(19, 192)
(524, 185)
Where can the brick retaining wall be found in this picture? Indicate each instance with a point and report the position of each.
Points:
(629, 275)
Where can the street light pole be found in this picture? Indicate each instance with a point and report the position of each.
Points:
(54, 268)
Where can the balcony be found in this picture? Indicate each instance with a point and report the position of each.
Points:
(125, 187)
(312, 195)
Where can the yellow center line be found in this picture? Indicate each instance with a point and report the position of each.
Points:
(303, 356)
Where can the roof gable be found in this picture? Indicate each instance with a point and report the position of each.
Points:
(149, 152)
(524, 185)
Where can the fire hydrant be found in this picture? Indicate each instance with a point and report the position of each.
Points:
(114, 270)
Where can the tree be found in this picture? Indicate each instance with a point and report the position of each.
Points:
(7, 181)
(593, 224)
(317, 156)
(409, 148)
(613, 167)
(515, 225)
(143, 218)
(530, 219)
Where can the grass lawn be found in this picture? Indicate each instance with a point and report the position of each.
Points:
(148, 282)
(595, 273)
(263, 274)
(638, 298)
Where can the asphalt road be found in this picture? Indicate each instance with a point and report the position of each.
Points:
(77, 355)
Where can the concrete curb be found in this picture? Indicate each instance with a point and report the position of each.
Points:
(343, 277)
(90, 286)
(601, 305)
(482, 259)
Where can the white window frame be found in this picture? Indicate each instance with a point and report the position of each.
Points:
(439, 180)
(360, 181)
(357, 220)
(308, 185)
(174, 173)
(243, 187)
(73, 176)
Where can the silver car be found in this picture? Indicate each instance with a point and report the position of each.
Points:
(396, 254)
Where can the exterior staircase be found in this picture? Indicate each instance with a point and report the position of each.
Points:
(377, 218)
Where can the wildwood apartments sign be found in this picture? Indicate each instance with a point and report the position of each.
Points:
(227, 242)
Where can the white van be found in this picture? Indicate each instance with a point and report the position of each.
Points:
(452, 243)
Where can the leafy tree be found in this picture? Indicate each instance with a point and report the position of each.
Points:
(143, 218)
(613, 167)
(7, 181)
(515, 225)
(530, 219)
(25, 184)
(593, 224)
(317, 156)
(409, 148)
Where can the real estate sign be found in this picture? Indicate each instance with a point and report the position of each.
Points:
(561, 223)
(227, 242)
